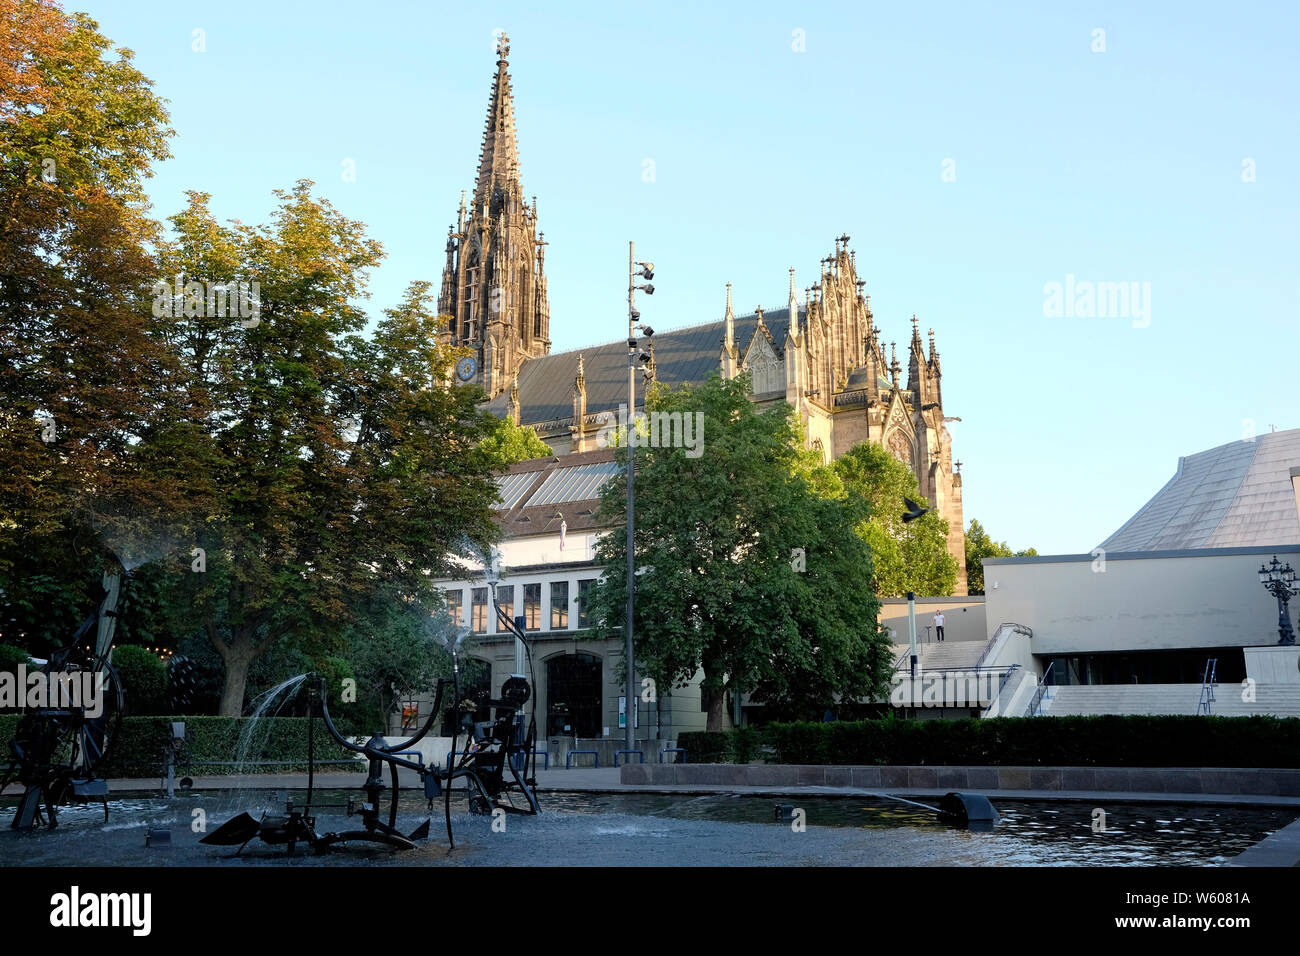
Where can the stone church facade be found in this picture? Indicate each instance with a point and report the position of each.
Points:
(822, 352)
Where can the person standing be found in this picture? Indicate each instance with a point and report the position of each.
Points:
(938, 624)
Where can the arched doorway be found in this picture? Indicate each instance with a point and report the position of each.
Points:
(573, 695)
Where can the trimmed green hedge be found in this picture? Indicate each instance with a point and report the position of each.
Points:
(138, 749)
(1101, 741)
(706, 747)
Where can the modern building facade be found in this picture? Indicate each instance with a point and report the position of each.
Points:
(1135, 625)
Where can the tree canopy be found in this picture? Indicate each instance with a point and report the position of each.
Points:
(746, 573)
(905, 556)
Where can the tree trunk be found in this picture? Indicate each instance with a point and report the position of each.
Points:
(237, 655)
(232, 695)
(715, 702)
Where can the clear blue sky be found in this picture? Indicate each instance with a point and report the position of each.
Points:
(1112, 167)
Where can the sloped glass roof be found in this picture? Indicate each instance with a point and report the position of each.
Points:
(512, 488)
(575, 483)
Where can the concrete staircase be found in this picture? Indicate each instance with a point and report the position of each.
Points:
(1280, 700)
(943, 655)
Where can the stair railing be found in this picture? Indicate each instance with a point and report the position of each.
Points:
(996, 639)
(997, 698)
(1032, 709)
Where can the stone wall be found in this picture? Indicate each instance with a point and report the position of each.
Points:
(1110, 779)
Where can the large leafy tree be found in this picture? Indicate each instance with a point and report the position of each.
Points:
(718, 589)
(326, 461)
(905, 556)
(980, 545)
(79, 374)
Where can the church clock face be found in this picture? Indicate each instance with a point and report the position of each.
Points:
(466, 368)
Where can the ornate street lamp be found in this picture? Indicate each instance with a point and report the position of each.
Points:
(1279, 581)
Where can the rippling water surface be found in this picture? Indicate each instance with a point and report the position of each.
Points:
(649, 829)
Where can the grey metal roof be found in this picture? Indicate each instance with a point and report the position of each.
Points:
(1235, 495)
(681, 355)
(578, 483)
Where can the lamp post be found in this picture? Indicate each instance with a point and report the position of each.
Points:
(1279, 581)
(635, 270)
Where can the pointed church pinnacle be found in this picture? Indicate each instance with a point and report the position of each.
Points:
(729, 318)
(794, 299)
(499, 159)
(581, 370)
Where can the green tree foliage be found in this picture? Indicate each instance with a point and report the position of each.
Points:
(322, 461)
(510, 443)
(718, 589)
(397, 650)
(79, 129)
(11, 657)
(144, 679)
(905, 557)
(979, 545)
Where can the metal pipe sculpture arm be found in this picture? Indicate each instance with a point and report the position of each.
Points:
(388, 751)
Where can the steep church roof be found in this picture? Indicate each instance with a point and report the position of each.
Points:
(681, 355)
(1236, 495)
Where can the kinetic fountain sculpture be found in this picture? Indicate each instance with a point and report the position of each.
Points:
(498, 747)
(57, 748)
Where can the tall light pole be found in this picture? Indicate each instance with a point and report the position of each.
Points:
(635, 270)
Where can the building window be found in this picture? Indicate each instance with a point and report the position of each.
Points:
(559, 605)
(479, 610)
(506, 598)
(454, 599)
(533, 607)
(584, 620)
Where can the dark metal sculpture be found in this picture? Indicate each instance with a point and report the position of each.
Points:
(499, 746)
(57, 749)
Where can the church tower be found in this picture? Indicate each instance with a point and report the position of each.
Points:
(494, 281)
